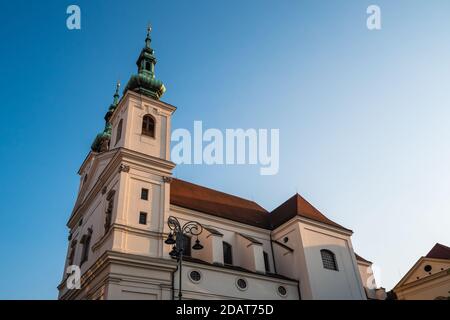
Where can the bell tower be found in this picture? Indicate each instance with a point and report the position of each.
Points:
(117, 224)
(142, 122)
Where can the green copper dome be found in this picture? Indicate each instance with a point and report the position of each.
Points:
(145, 82)
(101, 142)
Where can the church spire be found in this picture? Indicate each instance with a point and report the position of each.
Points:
(116, 96)
(148, 40)
(145, 82)
(101, 142)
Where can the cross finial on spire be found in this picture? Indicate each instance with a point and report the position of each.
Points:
(117, 86)
(148, 39)
(145, 81)
(116, 94)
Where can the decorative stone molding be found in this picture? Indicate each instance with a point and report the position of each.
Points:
(167, 179)
(124, 168)
(104, 190)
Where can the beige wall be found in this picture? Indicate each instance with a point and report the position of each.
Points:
(366, 273)
(368, 281)
(419, 284)
(307, 238)
(426, 290)
(131, 110)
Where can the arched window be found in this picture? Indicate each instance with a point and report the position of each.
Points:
(328, 259)
(148, 126)
(227, 253)
(148, 66)
(119, 131)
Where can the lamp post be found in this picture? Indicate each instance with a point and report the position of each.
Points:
(176, 239)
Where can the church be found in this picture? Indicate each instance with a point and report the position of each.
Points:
(119, 230)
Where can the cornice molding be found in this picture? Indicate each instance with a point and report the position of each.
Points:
(114, 257)
(137, 231)
(122, 161)
(131, 95)
(436, 276)
(402, 281)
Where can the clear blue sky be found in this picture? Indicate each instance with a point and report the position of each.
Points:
(363, 116)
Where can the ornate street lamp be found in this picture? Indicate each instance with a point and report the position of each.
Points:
(176, 240)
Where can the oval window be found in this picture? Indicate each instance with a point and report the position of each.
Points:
(241, 284)
(195, 276)
(282, 291)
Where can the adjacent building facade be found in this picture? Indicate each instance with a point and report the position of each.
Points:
(429, 278)
(127, 192)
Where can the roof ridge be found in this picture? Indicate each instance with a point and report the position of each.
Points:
(204, 199)
(442, 245)
(439, 251)
(308, 211)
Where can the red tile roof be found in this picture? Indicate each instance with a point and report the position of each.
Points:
(191, 196)
(439, 251)
(298, 206)
(359, 258)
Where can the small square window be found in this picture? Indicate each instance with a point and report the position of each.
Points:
(143, 218)
(144, 194)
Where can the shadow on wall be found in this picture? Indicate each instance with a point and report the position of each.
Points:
(333, 273)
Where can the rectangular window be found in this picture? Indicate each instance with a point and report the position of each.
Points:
(119, 131)
(143, 218)
(144, 194)
(266, 261)
(186, 245)
(329, 259)
(227, 253)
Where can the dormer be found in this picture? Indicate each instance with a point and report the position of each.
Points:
(251, 253)
(212, 240)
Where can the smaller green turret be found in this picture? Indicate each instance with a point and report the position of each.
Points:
(102, 140)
